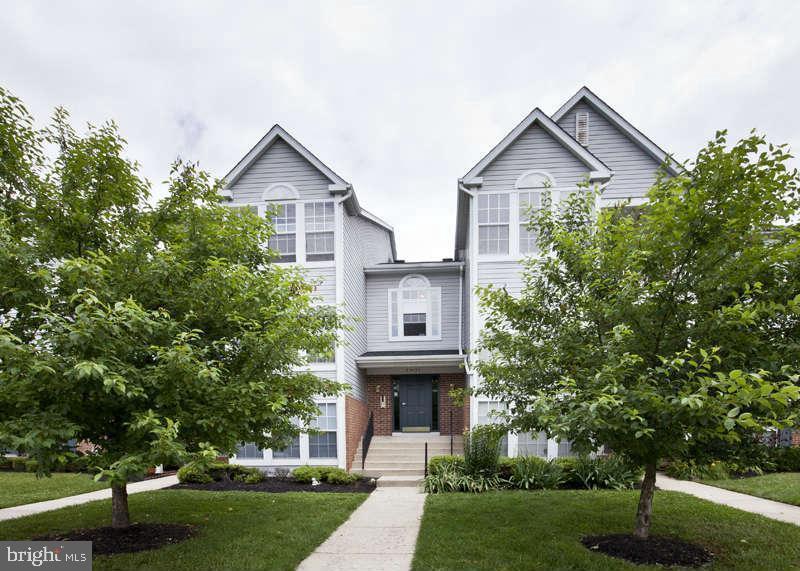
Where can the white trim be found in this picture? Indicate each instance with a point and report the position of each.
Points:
(436, 292)
(267, 141)
(632, 132)
(535, 171)
(265, 196)
(417, 276)
(338, 256)
(598, 169)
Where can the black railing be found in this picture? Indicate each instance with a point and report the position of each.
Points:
(426, 459)
(366, 440)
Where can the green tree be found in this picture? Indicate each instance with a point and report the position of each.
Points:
(658, 331)
(153, 332)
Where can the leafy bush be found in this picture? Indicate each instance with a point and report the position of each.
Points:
(690, 470)
(505, 467)
(304, 474)
(330, 474)
(532, 473)
(439, 464)
(249, 475)
(602, 472)
(482, 450)
(194, 474)
(785, 459)
(455, 481)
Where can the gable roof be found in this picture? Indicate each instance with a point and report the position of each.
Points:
(278, 132)
(638, 138)
(599, 171)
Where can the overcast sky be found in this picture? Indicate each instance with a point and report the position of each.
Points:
(399, 98)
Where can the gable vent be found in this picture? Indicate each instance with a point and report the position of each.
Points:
(582, 127)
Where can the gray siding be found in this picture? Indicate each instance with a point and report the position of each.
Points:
(506, 274)
(365, 244)
(280, 164)
(533, 149)
(326, 288)
(378, 286)
(634, 169)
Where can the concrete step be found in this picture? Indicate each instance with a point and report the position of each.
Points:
(399, 481)
(374, 473)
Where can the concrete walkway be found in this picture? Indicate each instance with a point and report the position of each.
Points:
(39, 507)
(744, 502)
(379, 536)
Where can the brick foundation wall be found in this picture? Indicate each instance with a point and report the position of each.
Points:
(380, 386)
(355, 412)
(795, 438)
(448, 382)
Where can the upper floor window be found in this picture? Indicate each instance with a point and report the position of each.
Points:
(284, 241)
(532, 186)
(415, 310)
(319, 223)
(493, 221)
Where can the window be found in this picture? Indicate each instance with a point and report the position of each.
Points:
(284, 241)
(529, 203)
(493, 216)
(240, 208)
(319, 231)
(323, 443)
(291, 451)
(415, 310)
(488, 414)
(249, 450)
(530, 444)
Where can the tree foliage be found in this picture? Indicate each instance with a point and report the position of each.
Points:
(151, 331)
(663, 329)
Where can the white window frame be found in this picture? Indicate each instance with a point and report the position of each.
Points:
(495, 224)
(331, 231)
(297, 212)
(267, 458)
(433, 311)
(300, 228)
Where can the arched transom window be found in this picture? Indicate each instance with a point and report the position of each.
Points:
(532, 186)
(415, 310)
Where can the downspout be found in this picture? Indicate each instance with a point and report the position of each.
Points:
(473, 269)
(460, 307)
(341, 429)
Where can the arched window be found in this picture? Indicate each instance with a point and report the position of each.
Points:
(280, 191)
(415, 310)
(532, 186)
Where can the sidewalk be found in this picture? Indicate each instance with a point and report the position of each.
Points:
(379, 536)
(39, 507)
(768, 508)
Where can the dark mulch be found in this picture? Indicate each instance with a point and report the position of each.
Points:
(137, 537)
(652, 551)
(279, 486)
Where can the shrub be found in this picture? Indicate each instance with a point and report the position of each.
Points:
(453, 481)
(785, 459)
(439, 464)
(505, 467)
(31, 465)
(690, 470)
(248, 475)
(5, 463)
(533, 473)
(194, 474)
(337, 476)
(304, 474)
(482, 450)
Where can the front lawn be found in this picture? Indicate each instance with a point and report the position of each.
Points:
(238, 530)
(780, 486)
(518, 530)
(17, 488)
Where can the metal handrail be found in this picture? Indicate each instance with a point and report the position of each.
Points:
(366, 440)
(451, 432)
(426, 458)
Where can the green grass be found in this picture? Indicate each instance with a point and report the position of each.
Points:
(541, 531)
(781, 487)
(238, 530)
(17, 488)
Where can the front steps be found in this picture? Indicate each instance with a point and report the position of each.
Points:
(399, 460)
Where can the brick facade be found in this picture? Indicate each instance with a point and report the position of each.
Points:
(379, 390)
(448, 382)
(355, 412)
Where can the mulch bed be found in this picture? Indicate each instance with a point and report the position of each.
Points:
(652, 551)
(278, 486)
(137, 537)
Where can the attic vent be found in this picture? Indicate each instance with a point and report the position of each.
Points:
(582, 127)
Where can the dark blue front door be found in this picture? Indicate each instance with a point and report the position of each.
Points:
(415, 404)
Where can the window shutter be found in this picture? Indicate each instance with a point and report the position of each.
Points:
(435, 312)
(582, 127)
(393, 314)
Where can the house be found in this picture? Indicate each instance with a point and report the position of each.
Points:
(418, 321)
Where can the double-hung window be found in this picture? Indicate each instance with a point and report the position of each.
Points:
(493, 222)
(249, 451)
(323, 443)
(291, 451)
(319, 222)
(284, 241)
(415, 310)
(490, 412)
(529, 203)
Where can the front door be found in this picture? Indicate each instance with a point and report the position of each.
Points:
(415, 404)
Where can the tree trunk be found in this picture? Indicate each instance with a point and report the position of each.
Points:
(119, 506)
(645, 509)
